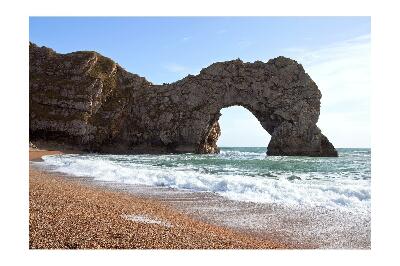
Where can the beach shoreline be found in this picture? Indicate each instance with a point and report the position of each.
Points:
(68, 214)
(264, 225)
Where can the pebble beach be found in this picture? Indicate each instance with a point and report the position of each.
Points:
(68, 214)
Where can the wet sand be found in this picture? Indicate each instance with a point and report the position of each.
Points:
(298, 227)
(70, 214)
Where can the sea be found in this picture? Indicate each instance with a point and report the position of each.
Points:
(244, 174)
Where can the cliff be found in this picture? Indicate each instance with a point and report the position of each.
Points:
(87, 100)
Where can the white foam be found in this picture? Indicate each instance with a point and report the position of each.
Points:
(347, 194)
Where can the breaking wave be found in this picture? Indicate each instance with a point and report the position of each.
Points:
(248, 175)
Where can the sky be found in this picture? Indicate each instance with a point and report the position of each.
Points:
(334, 51)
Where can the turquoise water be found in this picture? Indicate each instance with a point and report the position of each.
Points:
(244, 174)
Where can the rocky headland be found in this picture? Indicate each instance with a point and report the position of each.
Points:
(88, 101)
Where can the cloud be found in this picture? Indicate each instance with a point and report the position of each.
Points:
(342, 73)
(186, 38)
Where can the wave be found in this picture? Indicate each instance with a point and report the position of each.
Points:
(281, 188)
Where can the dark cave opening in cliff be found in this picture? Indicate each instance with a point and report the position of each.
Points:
(240, 128)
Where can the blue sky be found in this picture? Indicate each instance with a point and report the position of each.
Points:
(335, 51)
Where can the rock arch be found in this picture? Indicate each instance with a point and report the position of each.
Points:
(88, 100)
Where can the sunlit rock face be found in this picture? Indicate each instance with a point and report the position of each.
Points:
(89, 101)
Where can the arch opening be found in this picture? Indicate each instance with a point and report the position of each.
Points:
(240, 128)
(234, 126)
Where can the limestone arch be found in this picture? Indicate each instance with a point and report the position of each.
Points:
(87, 100)
(281, 96)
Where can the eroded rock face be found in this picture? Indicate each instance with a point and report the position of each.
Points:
(89, 101)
